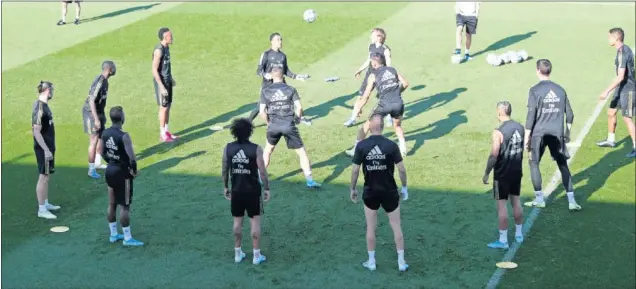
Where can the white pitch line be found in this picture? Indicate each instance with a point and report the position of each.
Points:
(534, 214)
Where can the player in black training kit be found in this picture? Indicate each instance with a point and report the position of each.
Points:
(121, 170)
(280, 107)
(44, 147)
(624, 86)
(378, 157)
(78, 11)
(164, 82)
(270, 59)
(378, 36)
(506, 157)
(95, 118)
(243, 164)
(390, 85)
(548, 105)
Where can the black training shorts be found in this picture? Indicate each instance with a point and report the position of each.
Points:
(288, 130)
(506, 187)
(163, 100)
(558, 150)
(624, 101)
(394, 109)
(242, 202)
(45, 167)
(469, 21)
(389, 201)
(89, 123)
(121, 181)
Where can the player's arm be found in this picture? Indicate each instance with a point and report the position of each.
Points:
(364, 66)
(288, 71)
(156, 60)
(262, 170)
(620, 75)
(387, 56)
(128, 146)
(224, 169)
(497, 139)
(569, 118)
(298, 107)
(404, 83)
(368, 89)
(37, 127)
(262, 67)
(92, 95)
(531, 117)
(399, 163)
(262, 107)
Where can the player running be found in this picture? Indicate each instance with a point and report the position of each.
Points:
(548, 105)
(122, 169)
(390, 85)
(44, 147)
(270, 59)
(280, 107)
(95, 118)
(243, 164)
(506, 157)
(164, 82)
(78, 11)
(378, 157)
(378, 36)
(625, 85)
(466, 15)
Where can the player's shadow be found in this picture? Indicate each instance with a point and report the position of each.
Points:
(194, 132)
(503, 43)
(167, 164)
(416, 107)
(324, 108)
(119, 12)
(598, 174)
(435, 130)
(339, 164)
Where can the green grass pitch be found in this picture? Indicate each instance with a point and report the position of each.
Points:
(313, 239)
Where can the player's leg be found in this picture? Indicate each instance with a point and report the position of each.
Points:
(558, 151)
(45, 168)
(371, 207)
(295, 142)
(112, 209)
(396, 114)
(169, 87)
(273, 136)
(392, 207)
(517, 210)
(537, 148)
(124, 199)
(254, 213)
(93, 138)
(610, 141)
(237, 208)
(459, 28)
(78, 11)
(163, 104)
(501, 191)
(471, 29)
(628, 109)
(64, 9)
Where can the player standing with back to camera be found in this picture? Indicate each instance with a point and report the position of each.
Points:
(506, 158)
(466, 16)
(378, 157)
(121, 170)
(44, 147)
(548, 106)
(624, 86)
(95, 118)
(378, 37)
(270, 59)
(390, 85)
(164, 82)
(78, 11)
(280, 107)
(243, 164)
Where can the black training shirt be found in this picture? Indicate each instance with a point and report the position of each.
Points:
(378, 155)
(548, 105)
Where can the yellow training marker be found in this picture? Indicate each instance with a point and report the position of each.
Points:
(507, 265)
(59, 229)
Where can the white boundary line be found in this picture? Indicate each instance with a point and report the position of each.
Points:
(554, 181)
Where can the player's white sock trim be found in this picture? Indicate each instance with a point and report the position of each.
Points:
(538, 196)
(257, 253)
(91, 166)
(571, 199)
(401, 257)
(42, 208)
(371, 256)
(98, 159)
(113, 228)
(503, 236)
(165, 127)
(127, 233)
(518, 230)
(611, 137)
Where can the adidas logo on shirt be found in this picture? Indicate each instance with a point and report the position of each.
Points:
(240, 158)
(375, 154)
(387, 75)
(110, 144)
(278, 96)
(551, 97)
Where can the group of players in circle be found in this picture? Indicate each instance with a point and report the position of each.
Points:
(244, 164)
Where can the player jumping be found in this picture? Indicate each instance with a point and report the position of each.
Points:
(164, 82)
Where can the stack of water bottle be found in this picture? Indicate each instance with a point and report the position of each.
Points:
(508, 57)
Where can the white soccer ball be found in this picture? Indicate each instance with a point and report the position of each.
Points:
(493, 60)
(523, 54)
(504, 58)
(456, 59)
(310, 16)
(514, 57)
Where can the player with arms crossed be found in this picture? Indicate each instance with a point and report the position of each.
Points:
(378, 36)
(95, 118)
(78, 11)
(506, 158)
(466, 15)
(624, 86)
(378, 157)
(390, 85)
(164, 82)
(121, 170)
(548, 105)
(271, 59)
(280, 107)
(44, 147)
(242, 163)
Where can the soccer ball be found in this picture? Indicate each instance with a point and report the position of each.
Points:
(504, 58)
(523, 54)
(513, 56)
(310, 15)
(456, 59)
(493, 60)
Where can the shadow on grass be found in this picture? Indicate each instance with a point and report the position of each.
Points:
(503, 43)
(324, 108)
(435, 130)
(414, 108)
(119, 12)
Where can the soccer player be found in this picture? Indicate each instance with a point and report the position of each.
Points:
(466, 15)
(378, 157)
(164, 82)
(548, 105)
(44, 147)
(95, 118)
(243, 164)
(280, 107)
(121, 170)
(78, 10)
(624, 86)
(506, 157)
(390, 85)
(273, 58)
(378, 36)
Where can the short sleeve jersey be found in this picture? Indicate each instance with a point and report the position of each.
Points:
(97, 94)
(43, 117)
(625, 59)
(279, 99)
(378, 155)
